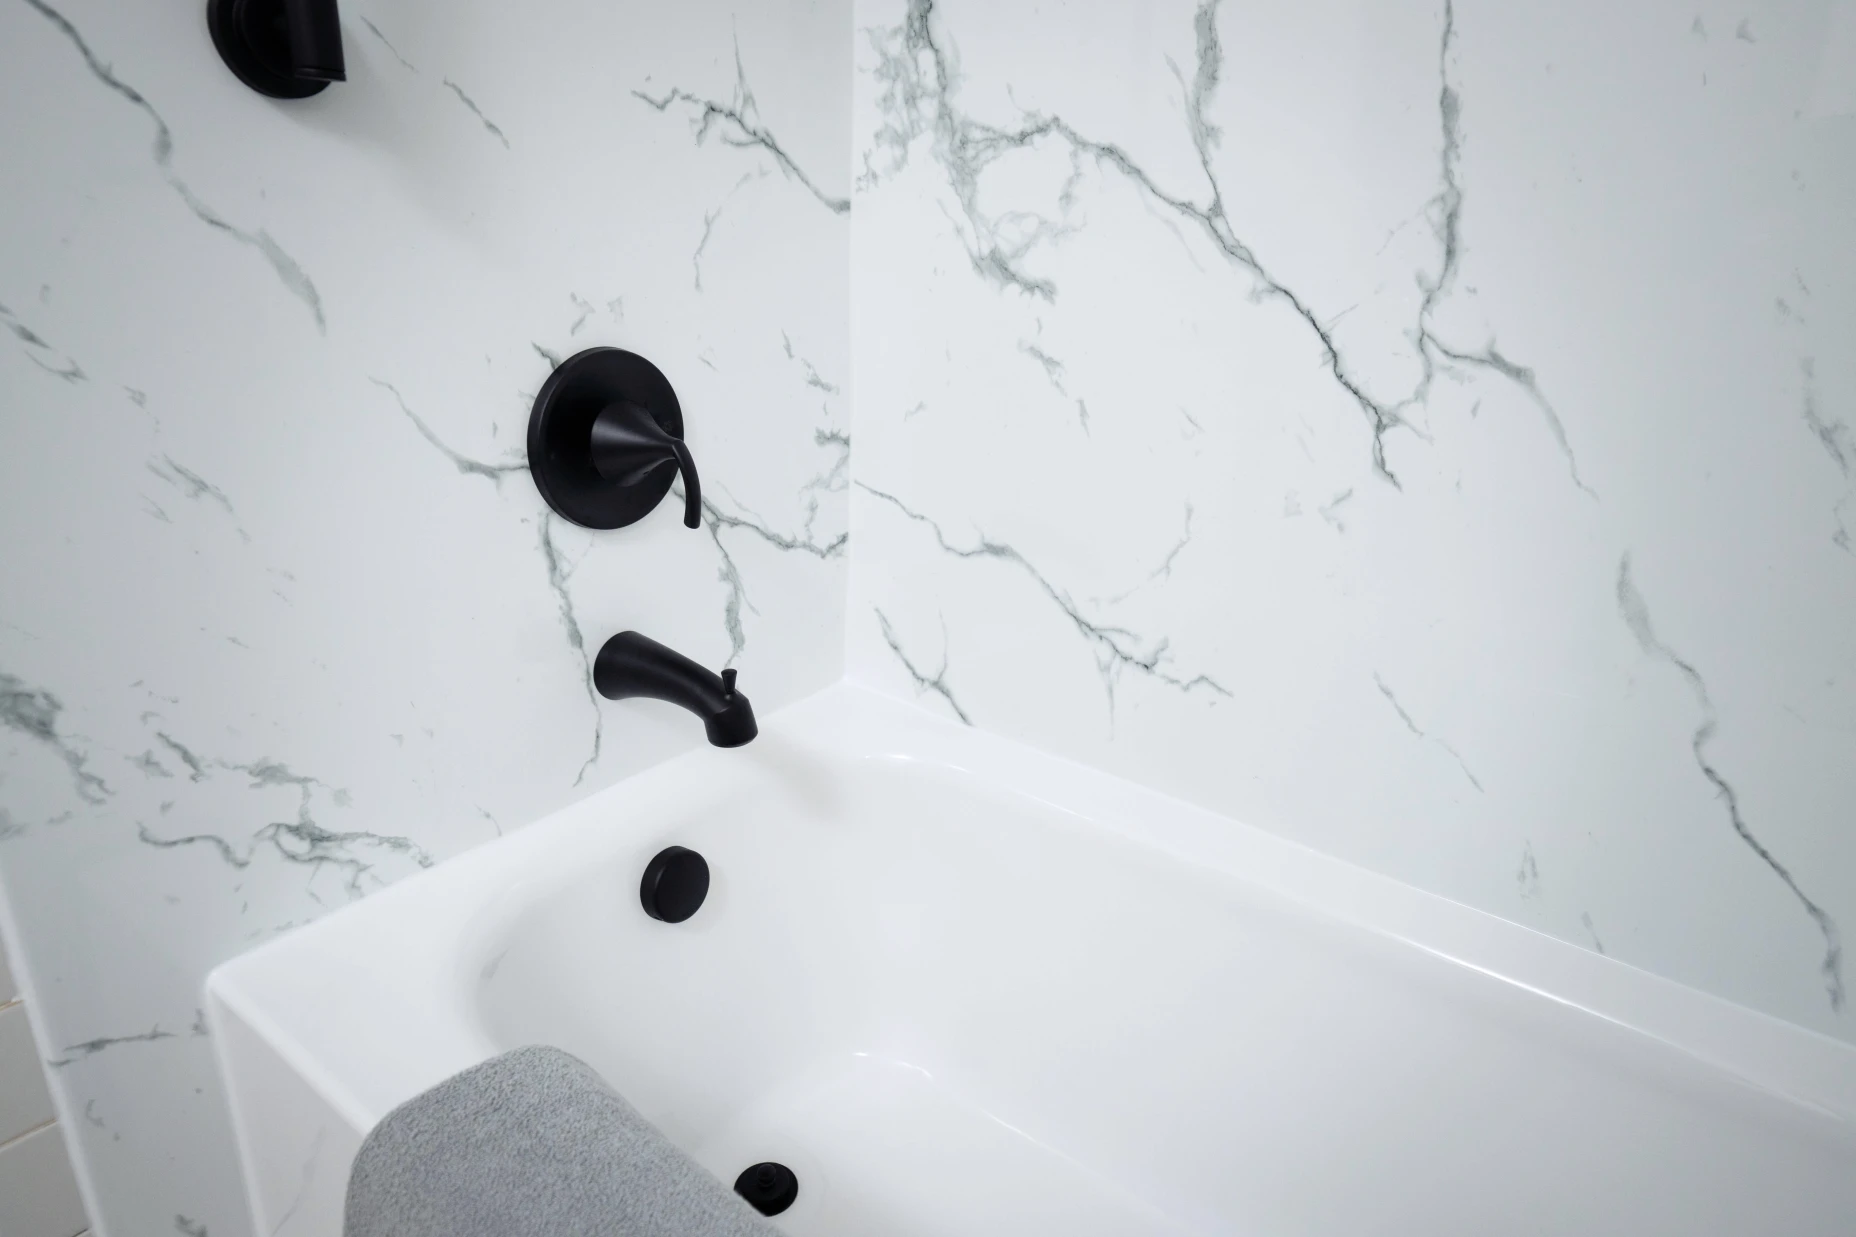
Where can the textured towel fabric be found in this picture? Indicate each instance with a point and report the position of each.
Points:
(533, 1144)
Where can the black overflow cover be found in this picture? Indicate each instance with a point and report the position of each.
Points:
(675, 883)
(770, 1188)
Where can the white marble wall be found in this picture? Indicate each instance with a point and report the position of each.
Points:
(1428, 431)
(282, 617)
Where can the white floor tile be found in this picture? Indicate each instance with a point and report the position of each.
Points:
(24, 1100)
(38, 1191)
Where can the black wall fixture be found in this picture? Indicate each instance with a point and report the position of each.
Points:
(605, 440)
(630, 666)
(287, 49)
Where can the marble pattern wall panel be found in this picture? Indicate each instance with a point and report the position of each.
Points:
(1427, 429)
(282, 618)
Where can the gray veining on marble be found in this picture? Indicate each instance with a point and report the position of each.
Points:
(91, 1047)
(386, 43)
(708, 223)
(288, 271)
(920, 86)
(196, 770)
(558, 573)
(470, 104)
(1839, 443)
(1117, 648)
(34, 712)
(1165, 570)
(812, 375)
(1585, 918)
(37, 349)
(1405, 307)
(739, 124)
(1420, 733)
(219, 845)
(1527, 876)
(302, 841)
(190, 483)
(463, 463)
(1636, 616)
(271, 642)
(924, 682)
(1358, 310)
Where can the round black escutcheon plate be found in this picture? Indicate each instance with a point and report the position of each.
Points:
(560, 436)
(770, 1188)
(675, 883)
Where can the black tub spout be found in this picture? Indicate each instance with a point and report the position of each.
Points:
(631, 665)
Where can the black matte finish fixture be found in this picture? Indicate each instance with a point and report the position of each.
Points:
(675, 883)
(770, 1188)
(287, 49)
(605, 440)
(631, 665)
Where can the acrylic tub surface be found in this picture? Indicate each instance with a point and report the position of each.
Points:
(963, 988)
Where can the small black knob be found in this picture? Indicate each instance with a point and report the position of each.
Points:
(676, 882)
(770, 1188)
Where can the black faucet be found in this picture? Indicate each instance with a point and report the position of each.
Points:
(287, 49)
(633, 665)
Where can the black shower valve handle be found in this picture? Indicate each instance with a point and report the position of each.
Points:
(629, 445)
(692, 488)
(606, 441)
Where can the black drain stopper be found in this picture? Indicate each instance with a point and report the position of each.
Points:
(769, 1188)
(675, 883)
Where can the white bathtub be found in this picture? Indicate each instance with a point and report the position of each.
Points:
(962, 988)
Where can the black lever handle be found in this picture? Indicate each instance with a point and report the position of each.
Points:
(315, 40)
(605, 441)
(629, 445)
(287, 49)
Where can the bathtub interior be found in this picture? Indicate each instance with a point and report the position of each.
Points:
(952, 1008)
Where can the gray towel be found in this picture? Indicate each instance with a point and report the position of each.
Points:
(533, 1144)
